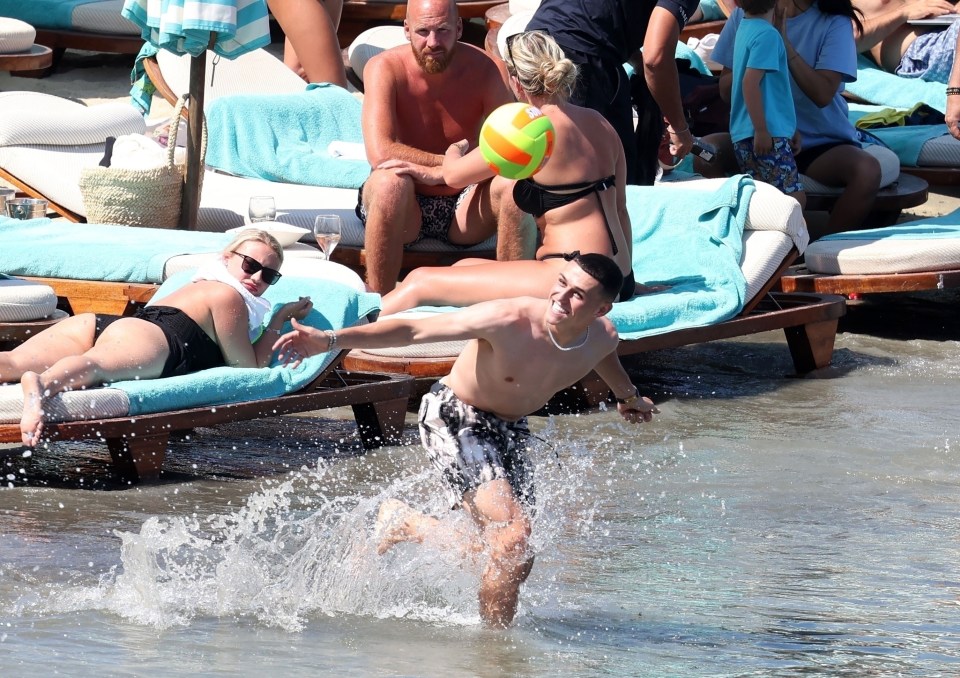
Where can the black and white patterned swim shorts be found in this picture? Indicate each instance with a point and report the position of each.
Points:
(436, 214)
(471, 447)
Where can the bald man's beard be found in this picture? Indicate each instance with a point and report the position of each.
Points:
(434, 64)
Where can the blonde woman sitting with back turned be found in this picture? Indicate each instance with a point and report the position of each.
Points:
(578, 197)
(213, 321)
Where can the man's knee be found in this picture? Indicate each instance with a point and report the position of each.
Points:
(385, 189)
(509, 542)
(866, 174)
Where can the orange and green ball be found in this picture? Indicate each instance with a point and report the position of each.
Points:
(516, 140)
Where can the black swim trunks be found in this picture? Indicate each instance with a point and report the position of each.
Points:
(436, 214)
(471, 447)
(191, 350)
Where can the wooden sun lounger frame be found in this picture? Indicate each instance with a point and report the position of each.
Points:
(799, 279)
(138, 444)
(809, 322)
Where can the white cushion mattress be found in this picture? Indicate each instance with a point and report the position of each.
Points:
(864, 257)
(23, 300)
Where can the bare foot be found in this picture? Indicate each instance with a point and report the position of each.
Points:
(31, 422)
(396, 522)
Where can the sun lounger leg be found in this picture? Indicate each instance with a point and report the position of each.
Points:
(139, 458)
(811, 345)
(380, 423)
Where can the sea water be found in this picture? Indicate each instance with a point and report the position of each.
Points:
(762, 525)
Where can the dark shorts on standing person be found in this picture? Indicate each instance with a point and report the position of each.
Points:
(778, 167)
(436, 213)
(190, 349)
(807, 156)
(471, 447)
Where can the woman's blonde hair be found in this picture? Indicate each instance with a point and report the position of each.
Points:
(257, 235)
(540, 65)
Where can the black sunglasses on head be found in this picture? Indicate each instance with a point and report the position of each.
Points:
(251, 266)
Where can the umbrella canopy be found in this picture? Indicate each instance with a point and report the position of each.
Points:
(228, 27)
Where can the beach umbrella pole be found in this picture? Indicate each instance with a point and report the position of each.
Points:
(190, 200)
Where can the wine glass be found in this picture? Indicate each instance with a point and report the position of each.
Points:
(326, 229)
(262, 208)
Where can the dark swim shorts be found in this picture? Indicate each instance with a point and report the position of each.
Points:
(436, 213)
(471, 447)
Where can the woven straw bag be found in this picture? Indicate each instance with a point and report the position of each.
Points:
(149, 197)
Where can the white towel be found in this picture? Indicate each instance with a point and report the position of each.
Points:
(257, 307)
(348, 150)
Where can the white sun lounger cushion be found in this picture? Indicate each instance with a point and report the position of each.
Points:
(23, 300)
(15, 35)
(256, 72)
(370, 43)
(942, 151)
(53, 171)
(763, 253)
(440, 349)
(889, 171)
(223, 205)
(858, 256)
(98, 403)
(102, 17)
(769, 209)
(37, 118)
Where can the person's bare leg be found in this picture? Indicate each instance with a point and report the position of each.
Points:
(859, 174)
(311, 30)
(506, 531)
(490, 209)
(466, 285)
(128, 348)
(399, 522)
(71, 336)
(393, 219)
(34, 400)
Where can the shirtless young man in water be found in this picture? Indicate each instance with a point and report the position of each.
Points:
(473, 421)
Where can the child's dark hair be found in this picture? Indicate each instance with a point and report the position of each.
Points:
(757, 6)
(604, 270)
(842, 8)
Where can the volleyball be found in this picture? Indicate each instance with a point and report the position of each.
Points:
(516, 140)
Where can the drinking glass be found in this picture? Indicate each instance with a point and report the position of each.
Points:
(262, 208)
(326, 229)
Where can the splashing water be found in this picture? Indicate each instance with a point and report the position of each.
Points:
(305, 547)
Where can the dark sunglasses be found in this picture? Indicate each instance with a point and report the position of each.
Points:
(251, 266)
(509, 43)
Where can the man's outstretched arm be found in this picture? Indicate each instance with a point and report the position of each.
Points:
(630, 404)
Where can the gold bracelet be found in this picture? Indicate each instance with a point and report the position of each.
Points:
(677, 133)
(631, 399)
(953, 91)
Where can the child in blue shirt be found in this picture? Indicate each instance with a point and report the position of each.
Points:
(763, 122)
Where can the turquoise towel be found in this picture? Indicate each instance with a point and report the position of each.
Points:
(877, 86)
(690, 240)
(142, 87)
(284, 137)
(57, 249)
(693, 242)
(335, 306)
(943, 227)
(906, 141)
(42, 13)
(682, 52)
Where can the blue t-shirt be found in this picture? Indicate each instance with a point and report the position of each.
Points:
(825, 41)
(759, 46)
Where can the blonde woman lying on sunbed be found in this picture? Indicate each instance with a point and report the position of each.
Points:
(577, 198)
(215, 320)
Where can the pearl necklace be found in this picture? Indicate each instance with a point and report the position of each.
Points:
(568, 348)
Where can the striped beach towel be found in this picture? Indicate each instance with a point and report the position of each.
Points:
(186, 26)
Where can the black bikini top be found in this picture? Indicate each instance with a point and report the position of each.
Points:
(538, 199)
